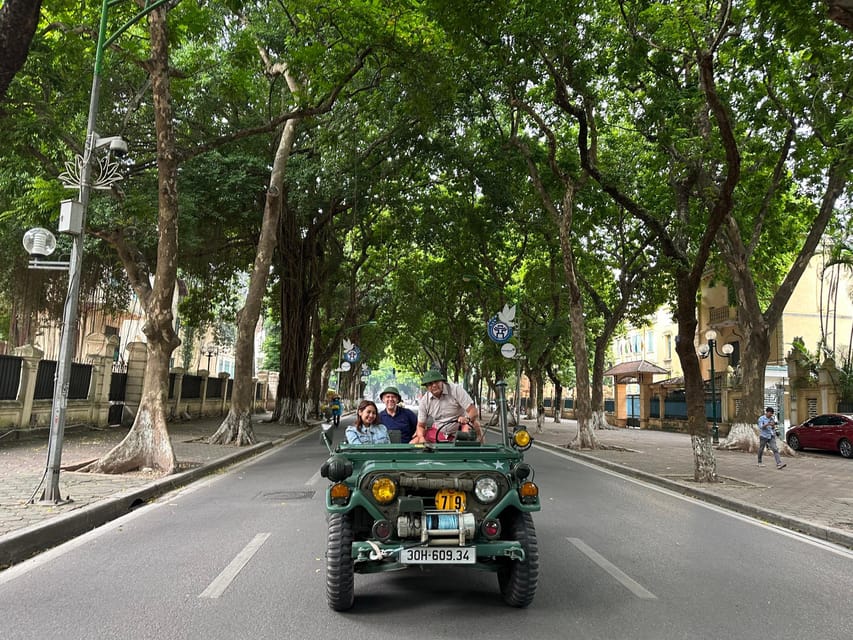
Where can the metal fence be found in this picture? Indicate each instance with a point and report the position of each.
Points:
(78, 382)
(214, 388)
(10, 376)
(191, 387)
(675, 408)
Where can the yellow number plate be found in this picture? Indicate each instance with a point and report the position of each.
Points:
(450, 500)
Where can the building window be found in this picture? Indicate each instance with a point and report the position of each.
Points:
(811, 404)
(650, 342)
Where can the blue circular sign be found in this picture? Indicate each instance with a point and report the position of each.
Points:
(499, 331)
(353, 354)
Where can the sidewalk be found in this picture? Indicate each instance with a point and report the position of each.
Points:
(813, 494)
(27, 529)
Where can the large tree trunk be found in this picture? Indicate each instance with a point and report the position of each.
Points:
(237, 425)
(585, 438)
(558, 403)
(298, 299)
(147, 445)
(704, 461)
(563, 216)
(18, 21)
(598, 419)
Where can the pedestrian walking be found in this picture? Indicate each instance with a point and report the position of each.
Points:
(767, 437)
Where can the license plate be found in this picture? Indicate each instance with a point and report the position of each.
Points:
(450, 500)
(439, 555)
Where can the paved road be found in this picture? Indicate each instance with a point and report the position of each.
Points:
(240, 555)
(26, 527)
(813, 494)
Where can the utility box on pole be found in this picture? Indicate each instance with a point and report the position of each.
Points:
(70, 217)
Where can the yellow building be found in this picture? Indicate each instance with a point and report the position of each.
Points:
(820, 309)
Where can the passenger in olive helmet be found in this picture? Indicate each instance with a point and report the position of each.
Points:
(396, 417)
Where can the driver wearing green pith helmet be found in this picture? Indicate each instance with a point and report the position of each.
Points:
(445, 401)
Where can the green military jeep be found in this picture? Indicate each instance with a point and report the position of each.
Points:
(392, 506)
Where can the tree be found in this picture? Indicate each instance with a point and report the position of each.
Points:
(18, 21)
(147, 444)
(799, 168)
(842, 12)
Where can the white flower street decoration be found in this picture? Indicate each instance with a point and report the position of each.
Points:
(106, 175)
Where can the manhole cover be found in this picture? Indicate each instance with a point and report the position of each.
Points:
(278, 496)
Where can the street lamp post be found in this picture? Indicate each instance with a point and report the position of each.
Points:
(80, 176)
(209, 351)
(706, 351)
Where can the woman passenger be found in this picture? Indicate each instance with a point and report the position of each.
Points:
(367, 428)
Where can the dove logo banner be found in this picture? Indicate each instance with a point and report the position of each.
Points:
(499, 331)
(501, 324)
(351, 352)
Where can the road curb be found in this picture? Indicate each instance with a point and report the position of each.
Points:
(17, 546)
(828, 534)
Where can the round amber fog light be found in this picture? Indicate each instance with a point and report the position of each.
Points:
(384, 489)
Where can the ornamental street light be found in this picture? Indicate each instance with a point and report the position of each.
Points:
(72, 221)
(210, 351)
(707, 351)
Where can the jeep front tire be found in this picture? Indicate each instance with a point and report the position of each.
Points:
(518, 578)
(339, 565)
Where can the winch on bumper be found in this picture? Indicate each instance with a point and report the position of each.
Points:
(441, 538)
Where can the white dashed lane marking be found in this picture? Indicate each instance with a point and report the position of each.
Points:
(220, 584)
(623, 578)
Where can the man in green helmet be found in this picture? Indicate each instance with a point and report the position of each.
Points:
(443, 402)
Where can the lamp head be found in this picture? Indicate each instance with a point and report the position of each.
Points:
(727, 349)
(704, 350)
(710, 335)
(116, 145)
(39, 242)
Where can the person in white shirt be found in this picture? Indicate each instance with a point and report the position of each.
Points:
(443, 402)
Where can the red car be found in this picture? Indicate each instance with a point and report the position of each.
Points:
(830, 431)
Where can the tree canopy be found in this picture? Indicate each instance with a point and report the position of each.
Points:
(585, 162)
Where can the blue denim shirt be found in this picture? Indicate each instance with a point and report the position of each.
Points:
(374, 434)
(767, 426)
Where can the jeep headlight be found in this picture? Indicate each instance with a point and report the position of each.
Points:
(522, 440)
(486, 489)
(384, 489)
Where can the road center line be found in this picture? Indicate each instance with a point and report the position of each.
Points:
(224, 579)
(629, 583)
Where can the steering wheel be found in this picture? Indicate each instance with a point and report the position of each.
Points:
(442, 434)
